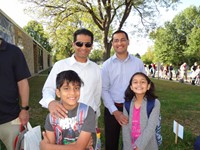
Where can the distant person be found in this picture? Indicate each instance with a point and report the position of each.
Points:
(146, 69)
(161, 74)
(116, 73)
(150, 70)
(139, 133)
(88, 71)
(153, 70)
(166, 71)
(67, 134)
(170, 72)
(194, 67)
(193, 74)
(197, 76)
(177, 72)
(14, 93)
(183, 72)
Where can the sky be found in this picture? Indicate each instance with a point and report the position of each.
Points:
(15, 10)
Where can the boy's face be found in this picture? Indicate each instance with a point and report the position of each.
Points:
(69, 93)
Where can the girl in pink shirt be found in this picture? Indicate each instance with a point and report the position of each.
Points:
(139, 134)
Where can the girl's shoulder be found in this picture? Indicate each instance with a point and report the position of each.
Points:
(157, 102)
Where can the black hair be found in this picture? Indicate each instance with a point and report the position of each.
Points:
(84, 32)
(120, 31)
(129, 94)
(69, 76)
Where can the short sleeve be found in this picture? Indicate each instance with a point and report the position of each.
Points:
(48, 125)
(89, 122)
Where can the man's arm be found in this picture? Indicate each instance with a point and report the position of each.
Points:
(107, 100)
(98, 94)
(49, 88)
(23, 88)
(80, 144)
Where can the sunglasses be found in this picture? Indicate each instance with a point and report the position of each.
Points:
(80, 44)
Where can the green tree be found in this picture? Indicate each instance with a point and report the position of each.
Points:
(166, 45)
(96, 56)
(105, 15)
(178, 40)
(61, 41)
(193, 50)
(61, 34)
(148, 57)
(36, 30)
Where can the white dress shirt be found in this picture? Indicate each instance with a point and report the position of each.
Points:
(89, 73)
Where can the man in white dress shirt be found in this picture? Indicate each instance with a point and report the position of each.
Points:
(88, 71)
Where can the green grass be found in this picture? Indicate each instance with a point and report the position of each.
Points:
(180, 102)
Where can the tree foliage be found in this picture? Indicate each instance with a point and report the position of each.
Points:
(96, 56)
(62, 35)
(194, 44)
(148, 57)
(36, 30)
(178, 41)
(105, 16)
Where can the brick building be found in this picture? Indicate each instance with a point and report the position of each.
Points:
(38, 59)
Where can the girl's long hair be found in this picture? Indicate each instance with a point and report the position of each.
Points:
(129, 94)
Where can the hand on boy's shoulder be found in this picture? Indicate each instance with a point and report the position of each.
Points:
(57, 109)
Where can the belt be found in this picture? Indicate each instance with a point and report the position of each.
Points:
(119, 104)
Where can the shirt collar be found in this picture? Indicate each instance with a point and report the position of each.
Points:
(74, 61)
(114, 58)
(3, 44)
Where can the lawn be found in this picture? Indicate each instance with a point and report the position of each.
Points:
(180, 102)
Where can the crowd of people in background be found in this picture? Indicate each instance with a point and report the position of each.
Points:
(182, 73)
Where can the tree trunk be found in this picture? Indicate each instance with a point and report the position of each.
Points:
(106, 53)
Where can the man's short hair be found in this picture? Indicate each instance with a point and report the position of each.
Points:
(120, 31)
(84, 32)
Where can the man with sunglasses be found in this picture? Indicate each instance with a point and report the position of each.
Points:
(116, 74)
(88, 71)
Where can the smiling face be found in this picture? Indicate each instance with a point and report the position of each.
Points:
(120, 43)
(139, 85)
(69, 93)
(82, 53)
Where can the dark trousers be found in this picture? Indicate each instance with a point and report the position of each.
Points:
(112, 130)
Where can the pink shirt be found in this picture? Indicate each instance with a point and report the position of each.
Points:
(135, 124)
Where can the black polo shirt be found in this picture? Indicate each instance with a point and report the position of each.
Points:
(13, 68)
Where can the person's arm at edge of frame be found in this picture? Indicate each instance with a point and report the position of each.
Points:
(80, 144)
(23, 87)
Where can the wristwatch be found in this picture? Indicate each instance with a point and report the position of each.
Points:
(25, 108)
